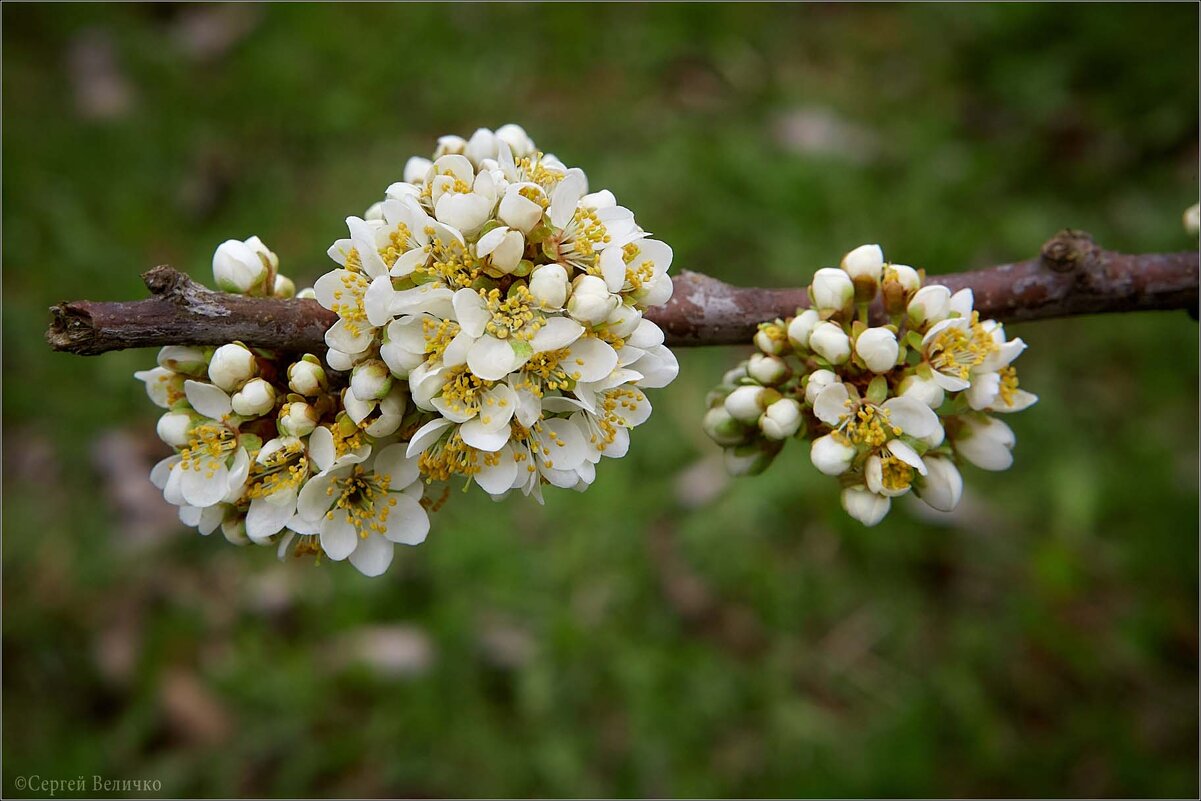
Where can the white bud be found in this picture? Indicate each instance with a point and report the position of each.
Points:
(767, 370)
(297, 419)
(922, 389)
(818, 380)
(256, 398)
(781, 420)
(308, 293)
(232, 366)
(591, 302)
(517, 139)
(548, 286)
(623, 321)
(831, 342)
(878, 349)
(864, 262)
(800, 328)
(284, 287)
(503, 247)
(234, 529)
(184, 359)
(942, 486)
(830, 455)
(904, 275)
(242, 266)
(481, 145)
(929, 304)
(771, 339)
(415, 170)
(864, 505)
(375, 212)
(370, 380)
(746, 403)
(173, 428)
(832, 289)
(449, 146)
(722, 428)
(307, 377)
(985, 442)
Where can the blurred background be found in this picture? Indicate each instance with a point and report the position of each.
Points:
(670, 632)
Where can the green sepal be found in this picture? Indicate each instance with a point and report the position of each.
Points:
(877, 390)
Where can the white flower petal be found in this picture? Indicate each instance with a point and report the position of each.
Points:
(910, 415)
(492, 359)
(427, 435)
(372, 556)
(265, 519)
(393, 462)
(556, 333)
(338, 536)
(907, 454)
(208, 399)
(408, 523)
(831, 404)
(480, 436)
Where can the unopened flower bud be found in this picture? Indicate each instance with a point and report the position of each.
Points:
(722, 428)
(232, 366)
(751, 459)
(375, 212)
(772, 339)
(831, 455)
(242, 267)
(370, 380)
(767, 370)
(922, 389)
(234, 529)
(623, 321)
(184, 359)
(285, 287)
(517, 139)
(897, 287)
(297, 419)
(781, 420)
(800, 328)
(942, 486)
(985, 442)
(832, 289)
(503, 247)
(173, 428)
(548, 285)
(864, 505)
(878, 349)
(591, 302)
(256, 398)
(929, 305)
(449, 146)
(308, 293)
(307, 376)
(818, 380)
(415, 169)
(865, 266)
(830, 342)
(746, 403)
(517, 210)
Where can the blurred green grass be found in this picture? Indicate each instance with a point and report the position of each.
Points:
(637, 639)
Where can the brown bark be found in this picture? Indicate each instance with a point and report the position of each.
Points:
(1071, 276)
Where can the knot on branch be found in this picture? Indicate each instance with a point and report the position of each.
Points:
(1069, 250)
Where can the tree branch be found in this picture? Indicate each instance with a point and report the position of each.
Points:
(1073, 275)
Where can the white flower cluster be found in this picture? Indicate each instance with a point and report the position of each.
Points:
(490, 327)
(506, 300)
(888, 408)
